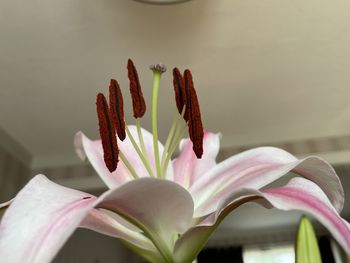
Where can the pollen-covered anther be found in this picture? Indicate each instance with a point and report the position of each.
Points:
(116, 108)
(107, 133)
(138, 101)
(195, 126)
(180, 93)
(161, 68)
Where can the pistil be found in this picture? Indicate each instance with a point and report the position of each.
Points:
(157, 69)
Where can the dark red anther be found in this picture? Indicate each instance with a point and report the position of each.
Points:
(195, 126)
(180, 93)
(116, 108)
(107, 133)
(138, 102)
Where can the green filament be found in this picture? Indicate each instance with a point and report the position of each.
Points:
(142, 142)
(127, 164)
(143, 159)
(170, 139)
(180, 132)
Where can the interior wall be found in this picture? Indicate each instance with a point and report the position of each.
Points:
(90, 247)
(13, 175)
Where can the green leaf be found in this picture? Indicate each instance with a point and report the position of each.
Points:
(306, 247)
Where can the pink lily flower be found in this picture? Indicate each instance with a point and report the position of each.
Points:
(165, 210)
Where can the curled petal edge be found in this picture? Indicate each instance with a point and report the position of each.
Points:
(299, 194)
(230, 175)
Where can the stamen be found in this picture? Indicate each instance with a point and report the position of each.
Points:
(139, 152)
(179, 134)
(116, 108)
(180, 93)
(138, 102)
(195, 126)
(128, 165)
(171, 140)
(107, 133)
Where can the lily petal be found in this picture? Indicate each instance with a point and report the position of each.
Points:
(257, 168)
(304, 195)
(132, 156)
(40, 219)
(162, 209)
(102, 222)
(94, 152)
(3, 207)
(299, 194)
(43, 216)
(187, 167)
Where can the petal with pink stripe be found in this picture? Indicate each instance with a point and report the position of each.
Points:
(43, 216)
(187, 167)
(40, 220)
(257, 168)
(160, 208)
(94, 152)
(299, 194)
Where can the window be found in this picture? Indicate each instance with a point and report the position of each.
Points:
(269, 254)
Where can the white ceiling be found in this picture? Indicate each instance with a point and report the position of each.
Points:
(265, 71)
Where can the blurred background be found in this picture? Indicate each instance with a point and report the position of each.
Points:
(266, 72)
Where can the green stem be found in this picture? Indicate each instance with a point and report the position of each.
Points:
(143, 159)
(156, 82)
(163, 249)
(180, 132)
(142, 142)
(170, 139)
(127, 164)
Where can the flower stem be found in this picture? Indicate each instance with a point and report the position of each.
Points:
(156, 82)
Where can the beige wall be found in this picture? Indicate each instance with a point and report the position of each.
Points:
(13, 175)
(90, 247)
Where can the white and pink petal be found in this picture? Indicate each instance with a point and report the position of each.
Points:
(43, 216)
(257, 168)
(160, 208)
(40, 220)
(3, 207)
(187, 167)
(299, 194)
(94, 152)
